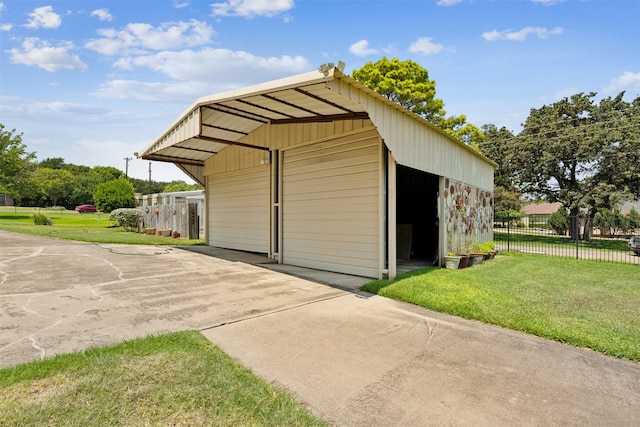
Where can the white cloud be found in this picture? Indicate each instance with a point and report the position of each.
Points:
(222, 66)
(521, 35)
(40, 53)
(58, 108)
(6, 27)
(361, 48)
(139, 38)
(448, 2)
(547, 2)
(179, 5)
(251, 8)
(43, 17)
(102, 14)
(198, 73)
(178, 92)
(628, 81)
(425, 45)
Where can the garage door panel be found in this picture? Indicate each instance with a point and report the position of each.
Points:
(330, 209)
(239, 210)
(340, 266)
(344, 169)
(338, 162)
(344, 143)
(337, 196)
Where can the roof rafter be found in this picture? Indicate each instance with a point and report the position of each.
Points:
(237, 112)
(319, 98)
(229, 142)
(171, 159)
(264, 108)
(289, 104)
(319, 119)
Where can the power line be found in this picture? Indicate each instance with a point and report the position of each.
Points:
(535, 137)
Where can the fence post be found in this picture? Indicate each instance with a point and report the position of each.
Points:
(508, 233)
(576, 220)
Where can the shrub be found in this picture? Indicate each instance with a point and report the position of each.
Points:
(559, 221)
(111, 195)
(127, 218)
(40, 219)
(486, 247)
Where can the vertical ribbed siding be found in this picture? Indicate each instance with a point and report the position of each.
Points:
(418, 145)
(238, 210)
(331, 205)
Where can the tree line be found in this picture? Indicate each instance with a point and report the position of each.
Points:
(53, 182)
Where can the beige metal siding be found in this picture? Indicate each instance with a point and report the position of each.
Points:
(331, 215)
(238, 210)
(419, 145)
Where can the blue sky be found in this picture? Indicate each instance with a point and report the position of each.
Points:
(95, 81)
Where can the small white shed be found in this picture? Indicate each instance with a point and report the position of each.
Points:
(319, 171)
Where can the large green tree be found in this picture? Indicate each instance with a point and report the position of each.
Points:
(581, 153)
(16, 164)
(54, 185)
(407, 83)
(497, 144)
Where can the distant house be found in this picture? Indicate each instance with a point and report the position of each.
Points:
(626, 208)
(539, 212)
(6, 200)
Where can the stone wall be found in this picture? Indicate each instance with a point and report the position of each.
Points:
(468, 214)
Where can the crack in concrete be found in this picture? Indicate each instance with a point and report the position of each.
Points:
(57, 320)
(5, 275)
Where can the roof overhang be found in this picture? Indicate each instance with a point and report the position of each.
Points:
(215, 122)
(218, 121)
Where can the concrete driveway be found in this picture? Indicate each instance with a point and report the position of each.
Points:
(354, 358)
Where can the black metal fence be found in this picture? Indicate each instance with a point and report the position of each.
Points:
(602, 239)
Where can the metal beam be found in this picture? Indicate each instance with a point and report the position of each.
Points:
(280, 113)
(321, 99)
(229, 142)
(237, 112)
(171, 159)
(224, 129)
(319, 119)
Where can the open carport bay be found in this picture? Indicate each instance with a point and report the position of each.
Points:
(354, 358)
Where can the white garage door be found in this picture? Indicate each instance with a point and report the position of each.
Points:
(331, 205)
(238, 206)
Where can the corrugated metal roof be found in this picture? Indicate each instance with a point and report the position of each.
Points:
(215, 122)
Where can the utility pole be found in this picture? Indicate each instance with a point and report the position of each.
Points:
(149, 177)
(126, 167)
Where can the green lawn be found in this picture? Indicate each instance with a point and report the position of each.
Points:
(175, 379)
(88, 227)
(584, 303)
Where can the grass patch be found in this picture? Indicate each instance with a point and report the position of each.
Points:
(88, 227)
(579, 302)
(173, 379)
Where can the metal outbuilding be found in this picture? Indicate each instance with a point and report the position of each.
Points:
(320, 171)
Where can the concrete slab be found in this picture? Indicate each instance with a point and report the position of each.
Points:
(354, 358)
(57, 296)
(362, 360)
